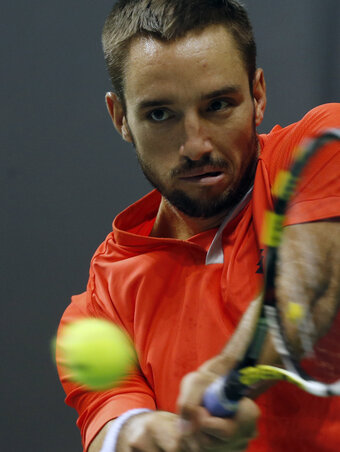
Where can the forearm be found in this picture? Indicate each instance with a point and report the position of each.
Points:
(309, 277)
(97, 442)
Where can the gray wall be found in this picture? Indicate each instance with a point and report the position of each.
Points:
(65, 174)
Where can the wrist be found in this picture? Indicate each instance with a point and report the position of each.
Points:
(111, 438)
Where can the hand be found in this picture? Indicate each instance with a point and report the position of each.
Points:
(155, 431)
(203, 432)
(160, 431)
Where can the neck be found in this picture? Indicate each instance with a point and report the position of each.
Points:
(171, 223)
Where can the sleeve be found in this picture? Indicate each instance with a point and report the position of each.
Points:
(318, 192)
(94, 408)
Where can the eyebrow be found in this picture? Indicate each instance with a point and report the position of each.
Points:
(154, 103)
(225, 90)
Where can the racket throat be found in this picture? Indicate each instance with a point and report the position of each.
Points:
(256, 346)
(278, 340)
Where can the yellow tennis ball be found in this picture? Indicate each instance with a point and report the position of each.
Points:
(95, 353)
(295, 312)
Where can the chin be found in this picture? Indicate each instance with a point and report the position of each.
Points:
(198, 207)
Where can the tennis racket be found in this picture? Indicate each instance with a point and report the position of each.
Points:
(221, 397)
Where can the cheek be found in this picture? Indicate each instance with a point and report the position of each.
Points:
(157, 148)
(145, 144)
(155, 156)
(246, 133)
(239, 142)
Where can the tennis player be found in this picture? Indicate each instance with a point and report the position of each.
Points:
(182, 265)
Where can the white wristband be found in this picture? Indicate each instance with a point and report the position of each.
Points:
(111, 438)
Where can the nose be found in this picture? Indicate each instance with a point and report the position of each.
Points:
(196, 141)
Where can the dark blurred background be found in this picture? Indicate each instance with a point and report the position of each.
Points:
(65, 174)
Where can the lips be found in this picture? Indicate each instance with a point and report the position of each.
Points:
(203, 176)
(200, 173)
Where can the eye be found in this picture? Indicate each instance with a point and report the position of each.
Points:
(159, 115)
(218, 105)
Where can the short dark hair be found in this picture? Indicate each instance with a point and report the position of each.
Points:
(168, 20)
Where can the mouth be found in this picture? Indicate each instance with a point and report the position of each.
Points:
(203, 176)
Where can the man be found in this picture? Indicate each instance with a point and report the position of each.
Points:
(188, 96)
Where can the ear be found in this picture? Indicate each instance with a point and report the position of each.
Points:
(260, 96)
(118, 115)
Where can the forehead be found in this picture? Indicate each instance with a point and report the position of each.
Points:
(200, 60)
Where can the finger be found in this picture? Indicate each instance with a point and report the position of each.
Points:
(246, 417)
(192, 437)
(189, 444)
(219, 428)
(146, 445)
(140, 441)
(200, 442)
(243, 423)
(192, 389)
(156, 432)
(166, 422)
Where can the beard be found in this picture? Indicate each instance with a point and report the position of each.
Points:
(200, 207)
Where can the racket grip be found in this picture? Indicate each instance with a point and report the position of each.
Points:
(221, 398)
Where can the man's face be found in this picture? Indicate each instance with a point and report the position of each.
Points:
(191, 117)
